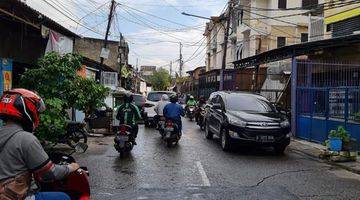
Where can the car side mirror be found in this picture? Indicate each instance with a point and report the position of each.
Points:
(216, 106)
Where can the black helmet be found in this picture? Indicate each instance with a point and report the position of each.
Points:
(173, 98)
(128, 98)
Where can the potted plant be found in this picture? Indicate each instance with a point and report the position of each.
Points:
(337, 139)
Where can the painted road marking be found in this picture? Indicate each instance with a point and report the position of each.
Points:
(202, 172)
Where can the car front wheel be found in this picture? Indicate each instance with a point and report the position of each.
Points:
(279, 149)
(226, 143)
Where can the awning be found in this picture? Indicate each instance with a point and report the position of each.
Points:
(342, 16)
(297, 50)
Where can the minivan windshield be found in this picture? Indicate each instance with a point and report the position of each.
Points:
(156, 96)
(248, 103)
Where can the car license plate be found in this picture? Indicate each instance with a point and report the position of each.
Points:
(265, 138)
(123, 138)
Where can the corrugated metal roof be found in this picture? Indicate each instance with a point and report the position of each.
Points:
(22, 10)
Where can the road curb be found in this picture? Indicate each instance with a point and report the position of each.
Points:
(314, 152)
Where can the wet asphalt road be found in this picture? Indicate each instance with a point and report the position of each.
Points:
(198, 169)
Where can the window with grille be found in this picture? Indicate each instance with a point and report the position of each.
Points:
(282, 4)
(109, 78)
(304, 37)
(309, 4)
(281, 41)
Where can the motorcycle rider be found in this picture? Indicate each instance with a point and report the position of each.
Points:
(174, 111)
(159, 108)
(129, 114)
(21, 154)
(191, 101)
(201, 103)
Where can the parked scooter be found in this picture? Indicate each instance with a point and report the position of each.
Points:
(123, 140)
(170, 133)
(190, 112)
(200, 117)
(76, 185)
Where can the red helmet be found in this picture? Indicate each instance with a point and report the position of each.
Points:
(23, 106)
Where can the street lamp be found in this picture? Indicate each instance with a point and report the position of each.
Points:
(223, 66)
(197, 16)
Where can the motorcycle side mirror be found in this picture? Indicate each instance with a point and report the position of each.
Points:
(81, 147)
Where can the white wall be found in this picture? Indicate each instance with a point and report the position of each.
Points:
(143, 87)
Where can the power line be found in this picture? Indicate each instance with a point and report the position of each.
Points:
(341, 4)
(142, 18)
(151, 27)
(60, 11)
(286, 22)
(172, 6)
(92, 12)
(155, 16)
(66, 10)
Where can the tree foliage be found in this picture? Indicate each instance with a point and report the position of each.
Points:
(56, 81)
(160, 80)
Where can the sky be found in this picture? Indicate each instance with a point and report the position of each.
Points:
(153, 29)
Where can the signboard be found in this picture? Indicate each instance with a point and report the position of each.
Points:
(6, 65)
(82, 71)
(105, 53)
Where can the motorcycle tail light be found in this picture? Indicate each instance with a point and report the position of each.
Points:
(169, 124)
(122, 130)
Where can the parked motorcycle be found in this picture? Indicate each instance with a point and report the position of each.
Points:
(123, 140)
(76, 185)
(190, 112)
(200, 118)
(170, 133)
(75, 134)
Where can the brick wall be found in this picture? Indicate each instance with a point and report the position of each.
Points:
(91, 48)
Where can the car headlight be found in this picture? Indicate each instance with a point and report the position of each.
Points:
(285, 124)
(236, 122)
(233, 134)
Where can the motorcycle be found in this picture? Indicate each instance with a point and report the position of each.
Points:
(76, 185)
(75, 134)
(190, 112)
(201, 117)
(170, 133)
(123, 140)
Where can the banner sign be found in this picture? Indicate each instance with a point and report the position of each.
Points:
(6, 66)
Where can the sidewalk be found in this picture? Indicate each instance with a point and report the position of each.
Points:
(313, 149)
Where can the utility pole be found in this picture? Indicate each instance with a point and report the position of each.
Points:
(170, 69)
(137, 76)
(180, 60)
(226, 36)
(112, 8)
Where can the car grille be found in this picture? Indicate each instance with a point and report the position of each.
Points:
(263, 125)
(250, 133)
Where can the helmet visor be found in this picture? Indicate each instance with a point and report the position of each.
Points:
(41, 106)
